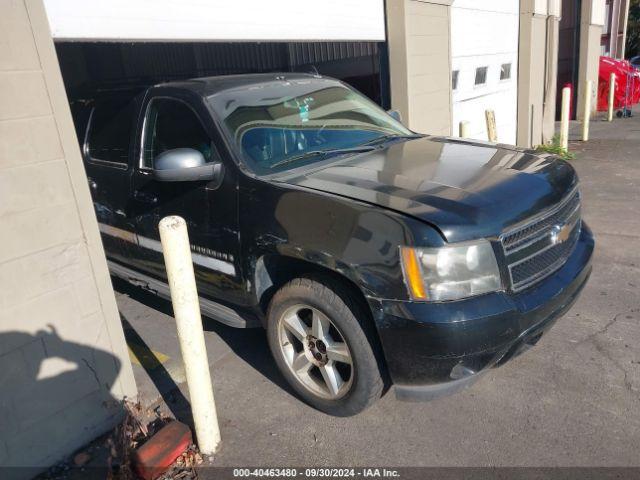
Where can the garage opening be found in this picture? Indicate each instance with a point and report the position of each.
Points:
(90, 68)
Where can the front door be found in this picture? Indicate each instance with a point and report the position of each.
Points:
(209, 208)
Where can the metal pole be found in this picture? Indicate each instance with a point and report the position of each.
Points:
(564, 118)
(464, 129)
(587, 111)
(612, 87)
(492, 133)
(186, 309)
(626, 109)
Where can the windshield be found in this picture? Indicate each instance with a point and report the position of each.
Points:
(284, 124)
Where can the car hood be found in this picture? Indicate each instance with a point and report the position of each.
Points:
(467, 189)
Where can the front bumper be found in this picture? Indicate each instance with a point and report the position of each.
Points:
(434, 349)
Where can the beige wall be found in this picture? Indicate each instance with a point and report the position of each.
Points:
(551, 77)
(623, 21)
(63, 360)
(531, 80)
(537, 59)
(420, 63)
(419, 36)
(589, 62)
(618, 19)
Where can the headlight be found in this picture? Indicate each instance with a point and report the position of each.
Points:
(450, 272)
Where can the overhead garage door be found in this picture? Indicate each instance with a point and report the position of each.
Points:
(484, 51)
(219, 20)
(136, 43)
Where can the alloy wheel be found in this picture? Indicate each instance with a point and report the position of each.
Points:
(315, 351)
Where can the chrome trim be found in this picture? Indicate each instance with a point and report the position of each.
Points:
(538, 235)
(522, 285)
(211, 309)
(539, 216)
(542, 250)
(152, 244)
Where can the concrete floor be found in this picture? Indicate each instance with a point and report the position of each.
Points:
(573, 400)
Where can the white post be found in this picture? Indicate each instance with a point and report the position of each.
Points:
(464, 129)
(186, 309)
(612, 89)
(587, 111)
(564, 118)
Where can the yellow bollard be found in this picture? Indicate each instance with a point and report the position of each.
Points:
(492, 133)
(612, 89)
(587, 111)
(464, 129)
(564, 118)
(186, 310)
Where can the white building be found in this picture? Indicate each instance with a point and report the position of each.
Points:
(484, 63)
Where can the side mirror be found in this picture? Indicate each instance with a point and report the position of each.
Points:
(184, 165)
(395, 114)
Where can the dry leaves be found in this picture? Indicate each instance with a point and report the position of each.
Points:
(120, 445)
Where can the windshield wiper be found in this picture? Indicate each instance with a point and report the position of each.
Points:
(386, 138)
(324, 153)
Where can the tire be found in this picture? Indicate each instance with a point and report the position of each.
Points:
(331, 383)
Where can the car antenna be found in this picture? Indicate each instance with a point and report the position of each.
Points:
(314, 71)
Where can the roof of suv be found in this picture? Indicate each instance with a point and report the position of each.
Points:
(211, 85)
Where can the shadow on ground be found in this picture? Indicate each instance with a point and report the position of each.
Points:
(248, 344)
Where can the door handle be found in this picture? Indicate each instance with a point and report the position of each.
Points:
(144, 197)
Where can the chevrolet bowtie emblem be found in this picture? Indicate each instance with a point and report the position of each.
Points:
(560, 233)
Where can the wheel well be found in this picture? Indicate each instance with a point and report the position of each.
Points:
(272, 272)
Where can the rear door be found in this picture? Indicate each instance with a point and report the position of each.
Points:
(174, 120)
(107, 148)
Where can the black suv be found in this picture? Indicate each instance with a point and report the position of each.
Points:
(368, 252)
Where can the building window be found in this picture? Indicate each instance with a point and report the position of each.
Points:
(481, 75)
(454, 80)
(505, 71)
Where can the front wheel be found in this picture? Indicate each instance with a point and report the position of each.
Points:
(321, 347)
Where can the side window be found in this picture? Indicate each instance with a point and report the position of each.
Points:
(110, 131)
(172, 124)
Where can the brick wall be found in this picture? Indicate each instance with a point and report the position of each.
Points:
(63, 360)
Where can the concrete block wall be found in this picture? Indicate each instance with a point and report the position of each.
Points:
(64, 364)
(420, 63)
(591, 23)
(537, 66)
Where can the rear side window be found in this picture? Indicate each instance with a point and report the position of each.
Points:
(110, 131)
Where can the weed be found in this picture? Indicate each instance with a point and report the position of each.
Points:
(555, 148)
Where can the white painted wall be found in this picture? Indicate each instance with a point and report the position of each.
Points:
(598, 12)
(222, 20)
(540, 7)
(485, 33)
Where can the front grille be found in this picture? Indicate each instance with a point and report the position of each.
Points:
(541, 245)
